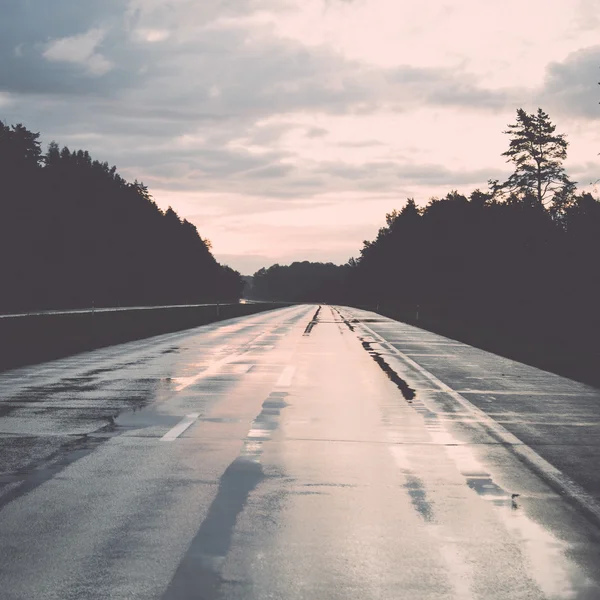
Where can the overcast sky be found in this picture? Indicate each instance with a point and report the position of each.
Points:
(286, 129)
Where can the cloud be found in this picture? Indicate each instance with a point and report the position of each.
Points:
(586, 174)
(316, 132)
(28, 29)
(587, 15)
(153, 35)
(571, 86)
(270, 171)
(361, 144)
(445, 86)
(5, 99)
(214, 56)
(384, 175)
(432, 174)
(81, 50)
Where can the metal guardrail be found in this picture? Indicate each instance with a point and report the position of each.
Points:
(27, 338)
(93, 310)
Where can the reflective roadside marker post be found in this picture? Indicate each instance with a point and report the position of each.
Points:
(93, 322)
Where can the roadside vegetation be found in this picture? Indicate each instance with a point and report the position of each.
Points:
(513, 269)
(74, 233)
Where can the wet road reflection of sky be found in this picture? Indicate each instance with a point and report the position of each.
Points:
(263, 458)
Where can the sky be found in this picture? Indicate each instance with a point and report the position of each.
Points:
(286, 129)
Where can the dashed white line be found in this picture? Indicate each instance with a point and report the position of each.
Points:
(180, 427)
(526, 393)
(285, 379)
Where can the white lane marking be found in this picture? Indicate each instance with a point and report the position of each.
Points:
(527, 393)
(561, 481)
(180, 427)
(285, 379)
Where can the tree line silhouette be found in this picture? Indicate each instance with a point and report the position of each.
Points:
(301, 282)
(514, 269)
(74, 233)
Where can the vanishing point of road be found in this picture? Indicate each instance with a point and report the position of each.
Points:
(301, 453)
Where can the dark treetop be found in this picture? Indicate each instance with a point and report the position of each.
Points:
(74, 233)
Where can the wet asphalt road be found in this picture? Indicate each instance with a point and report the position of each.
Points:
(288, 456)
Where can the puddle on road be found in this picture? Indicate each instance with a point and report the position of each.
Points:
(142, 418)
(555, 574)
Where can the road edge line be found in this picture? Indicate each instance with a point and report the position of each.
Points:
(554, 476)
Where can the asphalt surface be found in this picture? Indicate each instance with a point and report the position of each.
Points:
(297, 454)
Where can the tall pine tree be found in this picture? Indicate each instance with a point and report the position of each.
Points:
(537, 152)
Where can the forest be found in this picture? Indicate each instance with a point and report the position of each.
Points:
(514, 268)
(301, 282)
(74, 233)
